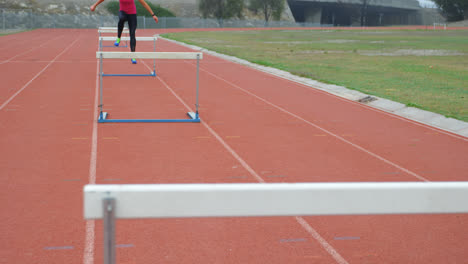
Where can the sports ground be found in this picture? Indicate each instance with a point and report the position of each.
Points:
(255, 128)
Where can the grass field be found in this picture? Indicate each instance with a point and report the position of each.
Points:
(9, 32)
(424, 69)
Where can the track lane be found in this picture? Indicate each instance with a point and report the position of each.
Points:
(180, 153)
(274, 146)
(454, 165)
(43, 164)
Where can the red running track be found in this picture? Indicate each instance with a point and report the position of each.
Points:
(256, 128)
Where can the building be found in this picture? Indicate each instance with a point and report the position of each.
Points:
(340, 12)
(357, 12)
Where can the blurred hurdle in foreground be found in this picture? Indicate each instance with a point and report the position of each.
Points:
(109, 202)
(153, 38)
(101, 55)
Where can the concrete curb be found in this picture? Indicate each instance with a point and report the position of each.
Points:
(428, 118)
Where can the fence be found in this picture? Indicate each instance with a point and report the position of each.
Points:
(26, 19)
(16, 19)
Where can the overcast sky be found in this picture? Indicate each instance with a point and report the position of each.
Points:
(426, 3)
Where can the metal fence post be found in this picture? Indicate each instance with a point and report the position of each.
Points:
(31, 24)
(3, 18)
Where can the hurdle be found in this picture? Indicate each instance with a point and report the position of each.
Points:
(193, 116)
(113, 30)
(153, 38)
(440, 25)
(111, 202)
(110, 28)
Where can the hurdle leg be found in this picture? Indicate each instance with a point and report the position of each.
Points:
(108, 205)
(193, 115)
(154, 60)
(102, 115)
(196, 102)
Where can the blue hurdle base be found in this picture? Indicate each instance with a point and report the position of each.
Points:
(194, 118)
(152, 74)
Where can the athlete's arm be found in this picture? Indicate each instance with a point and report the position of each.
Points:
(93, 7)
(147, 7)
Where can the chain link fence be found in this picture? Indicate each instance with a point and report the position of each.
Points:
(26, 19)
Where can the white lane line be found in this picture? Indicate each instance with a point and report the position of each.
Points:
(318, 127)
(88, 257)
(22, 37)
(219, 138)
(93, 160)
(373, 109)
(5, 61)
(37, 75)
(414, 122)
(338, 258)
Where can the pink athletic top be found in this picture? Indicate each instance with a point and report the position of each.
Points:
(128, 6)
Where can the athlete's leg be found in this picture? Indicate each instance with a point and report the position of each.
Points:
(120, 26)
(132, 26)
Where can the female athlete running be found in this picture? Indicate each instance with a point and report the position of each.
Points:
(128, 14)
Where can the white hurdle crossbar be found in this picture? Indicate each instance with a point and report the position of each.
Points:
(111, 30)
(115, 28)
(103, 30)
(194, 117)
(109, 202)
(152, 38)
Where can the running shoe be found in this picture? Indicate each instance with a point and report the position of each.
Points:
(117, 42)
(134, 61)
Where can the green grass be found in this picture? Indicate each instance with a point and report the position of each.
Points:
(360, 60)
(11, 32)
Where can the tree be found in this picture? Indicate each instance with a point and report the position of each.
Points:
(454, 10)
(269, 8)
(221, 9)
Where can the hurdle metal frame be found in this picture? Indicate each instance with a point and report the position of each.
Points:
(153, 38)
(113, 30)
(103, 116)
(134, 201)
